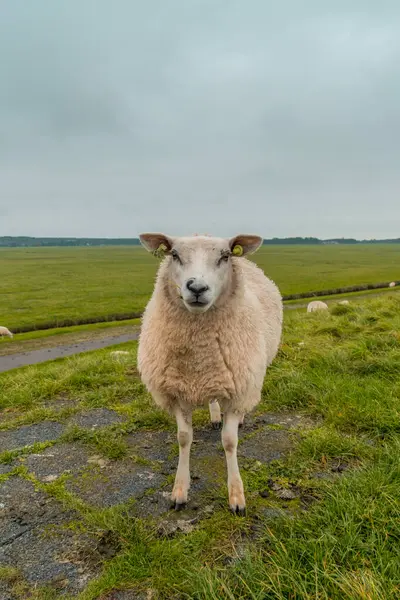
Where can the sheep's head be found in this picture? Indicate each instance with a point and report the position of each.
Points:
(200, 267)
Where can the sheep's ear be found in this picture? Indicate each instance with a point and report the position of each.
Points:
(241, 245)
(156, 243)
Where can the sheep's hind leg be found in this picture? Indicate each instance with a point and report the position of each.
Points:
(182, 479)
(237, 500)
(215, 414)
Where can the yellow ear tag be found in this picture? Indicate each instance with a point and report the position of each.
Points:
(237, 250)
(162, 248)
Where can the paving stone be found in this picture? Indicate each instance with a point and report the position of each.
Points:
(152, 445)
(59, 459)
(152, 505)
(33, 526)
(29, 435)
(97, 417)
(206, 442)
(266, 445)
(116, 483)
(34, 539)
(286, 420)
(6, 468)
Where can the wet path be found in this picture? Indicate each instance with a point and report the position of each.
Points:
(34, 357)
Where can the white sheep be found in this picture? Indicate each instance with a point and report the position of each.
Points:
(316, 305)
(392, 284)
(5, 331)
(209, 331)
(344, 302)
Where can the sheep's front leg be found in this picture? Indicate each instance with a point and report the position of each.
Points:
(215, 414)
(230, 427)
(182, 479)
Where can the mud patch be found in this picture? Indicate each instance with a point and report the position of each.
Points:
(29, 435)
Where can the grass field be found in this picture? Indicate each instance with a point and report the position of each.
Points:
(53, 284)
(337, 537)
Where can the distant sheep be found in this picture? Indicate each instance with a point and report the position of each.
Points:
(344, 302)
(4, 331)
(209, 332)
(392, 284)
(119, 354)
(316, 305)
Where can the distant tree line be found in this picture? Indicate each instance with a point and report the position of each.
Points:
(31, 242)
(313, 240)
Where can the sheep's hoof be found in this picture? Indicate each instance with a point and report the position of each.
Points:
(238, 510)
(178, 505)
(237, 501)
(179, 496)
(216, 424)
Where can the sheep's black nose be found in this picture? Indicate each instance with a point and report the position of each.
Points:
(196, 287)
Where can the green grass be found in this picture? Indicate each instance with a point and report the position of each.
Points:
(341, 371)
(346, 547)
(41, 285)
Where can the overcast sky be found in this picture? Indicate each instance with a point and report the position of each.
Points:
(220, 116)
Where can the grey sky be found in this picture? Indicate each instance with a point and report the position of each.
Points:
(281, 118)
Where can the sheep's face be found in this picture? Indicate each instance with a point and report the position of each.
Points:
(200, 267)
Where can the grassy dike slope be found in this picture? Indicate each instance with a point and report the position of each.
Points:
(320, 459)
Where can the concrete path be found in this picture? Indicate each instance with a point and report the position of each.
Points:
(56, 544)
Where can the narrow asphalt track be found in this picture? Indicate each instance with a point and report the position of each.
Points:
(34, 357)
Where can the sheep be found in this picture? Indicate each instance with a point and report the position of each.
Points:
(392, 284)
(209, 331)
(5, 331)
(344, 302)
(316, 305)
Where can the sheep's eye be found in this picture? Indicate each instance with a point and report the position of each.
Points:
(175, 256)
(224, 258)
